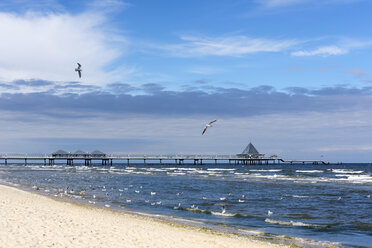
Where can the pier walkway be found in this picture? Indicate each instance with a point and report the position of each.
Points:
(109, 159)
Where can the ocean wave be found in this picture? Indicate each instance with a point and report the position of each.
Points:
(264, 170)
(310, 171)
(186, 169)
(155, 169)
(346, 171)
(359, 179)
(205, 211)
(82, 167)
(295, 223)
(298, 196)
(176, 173)
(224, 214)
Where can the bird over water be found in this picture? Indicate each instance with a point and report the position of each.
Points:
(208, 125)
(78, 69)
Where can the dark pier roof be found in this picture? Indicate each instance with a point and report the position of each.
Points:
(250, 151)
(79, 153)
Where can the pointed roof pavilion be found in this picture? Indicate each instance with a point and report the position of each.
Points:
(250, 152)
(250, 149)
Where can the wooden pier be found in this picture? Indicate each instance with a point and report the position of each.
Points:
(107, 160)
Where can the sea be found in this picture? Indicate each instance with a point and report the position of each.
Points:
(309, 205)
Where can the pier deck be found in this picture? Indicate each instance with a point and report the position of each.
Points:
(48, 159)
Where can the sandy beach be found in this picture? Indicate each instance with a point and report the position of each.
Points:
(32, 220)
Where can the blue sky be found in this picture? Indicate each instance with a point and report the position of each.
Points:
(292, 76)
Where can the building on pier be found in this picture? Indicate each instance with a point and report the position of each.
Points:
(97, 154)
(78, 154)
(250, 152)
(60, 154)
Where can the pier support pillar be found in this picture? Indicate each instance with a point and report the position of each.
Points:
(6, 161)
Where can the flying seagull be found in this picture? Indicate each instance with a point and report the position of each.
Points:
(78, 69)
(208, 125)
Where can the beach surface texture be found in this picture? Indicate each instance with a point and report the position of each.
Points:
(33, 220)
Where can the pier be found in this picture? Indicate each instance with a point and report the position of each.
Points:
(249, 156)
(107, 160)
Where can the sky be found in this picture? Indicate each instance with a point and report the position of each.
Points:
(293, 77)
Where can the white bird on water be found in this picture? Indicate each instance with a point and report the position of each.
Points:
(269, 213)
(223, 210)
(208, 125)
(78, 69)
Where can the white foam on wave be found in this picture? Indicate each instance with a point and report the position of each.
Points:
(297, 196)
(346, 171)
(176, 173)
(48, 168)
(186, 169)
(293, 223)
(82, 168)
(156, 170)
(263, 170)
(358, 178)
(142, 172)
(204, 171)
(310, 171)
(275, 176)
(223, 214)
(220, 169)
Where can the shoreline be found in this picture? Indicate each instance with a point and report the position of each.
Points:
(30, 219)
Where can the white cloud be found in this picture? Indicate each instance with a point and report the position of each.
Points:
(47, 46)
(322, 51)
(226, 46)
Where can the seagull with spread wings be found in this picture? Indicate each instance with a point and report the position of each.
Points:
(208, 125)
(78, 69)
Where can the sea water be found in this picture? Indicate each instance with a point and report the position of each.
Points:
(330, 203)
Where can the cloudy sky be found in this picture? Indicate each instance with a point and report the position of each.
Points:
(294, 77)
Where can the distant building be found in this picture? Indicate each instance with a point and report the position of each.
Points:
(97, 154)
(78, 154)
(250, 152)
(61, 154)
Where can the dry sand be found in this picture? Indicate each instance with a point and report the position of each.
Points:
(32, 220)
